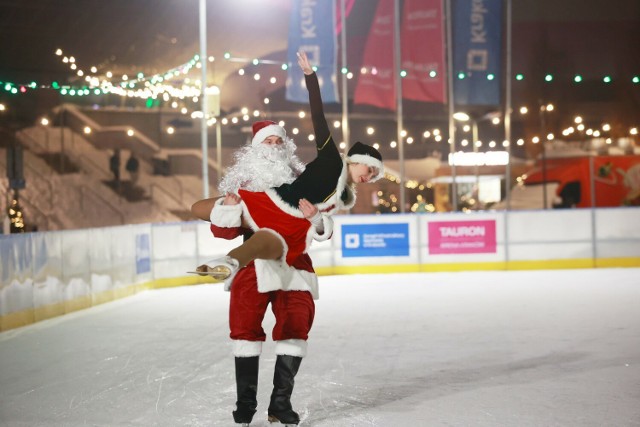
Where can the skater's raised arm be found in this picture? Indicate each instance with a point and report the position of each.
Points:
(320, 125)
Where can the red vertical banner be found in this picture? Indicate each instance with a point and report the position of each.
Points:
(375, 84)
(422, 45)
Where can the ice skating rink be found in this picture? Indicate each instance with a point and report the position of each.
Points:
(525, 348)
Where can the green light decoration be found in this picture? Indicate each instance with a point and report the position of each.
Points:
(433, 73)
(55, 85)
(140, 75)
(607, 79)
(344, 70)
(403, 73)
(577, 78)
(284, 66)
(491, 76)
(519, 76)
(97, 91)
(460, 76)
(548, 78)
(227, 55)
(635, 79)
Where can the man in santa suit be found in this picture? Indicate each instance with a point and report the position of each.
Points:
(269, 161)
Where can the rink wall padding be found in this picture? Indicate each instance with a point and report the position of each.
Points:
(49, 274)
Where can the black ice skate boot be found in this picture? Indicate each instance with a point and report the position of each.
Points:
(247, 388)
(283, 379)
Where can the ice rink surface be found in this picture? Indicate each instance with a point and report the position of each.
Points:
(517, 348)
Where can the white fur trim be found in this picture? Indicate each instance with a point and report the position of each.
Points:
(327, 223)
(275, 276)
(266, 132)
(226, 216)
(369, 161)
(243, 348)
(292, 347)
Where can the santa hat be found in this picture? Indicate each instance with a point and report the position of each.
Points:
(366, 154)
(264, 129)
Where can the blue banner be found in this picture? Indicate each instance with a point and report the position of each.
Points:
(477, 34)
(143, 253)
(373, 240)
(312, 30)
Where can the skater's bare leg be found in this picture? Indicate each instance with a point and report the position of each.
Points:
(262, 245)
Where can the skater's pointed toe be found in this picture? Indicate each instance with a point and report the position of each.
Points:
(220, 268)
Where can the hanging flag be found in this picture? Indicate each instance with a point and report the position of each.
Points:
(422, 41)
(312, 30)
(375, 84)
(477, 51)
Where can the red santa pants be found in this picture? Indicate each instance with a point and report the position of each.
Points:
(294, 310)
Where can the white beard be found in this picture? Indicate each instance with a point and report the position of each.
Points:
(260, 167)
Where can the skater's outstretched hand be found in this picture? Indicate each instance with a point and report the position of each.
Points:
(308, 209)
(231, 199)
(303, 61)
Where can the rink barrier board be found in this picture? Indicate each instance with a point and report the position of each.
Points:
(48, 274)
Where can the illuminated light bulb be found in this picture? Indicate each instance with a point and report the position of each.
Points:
(80, 73)
(438, 138)
(301, 114)
(72, 59)
(87, 130)
(256, 61)
(343, 145)
(606, 127)
(363, 70)
(281, 123)
(43, 122)
(410, 140)
(376, 146)
(519, 76)
(183, 110)
(125, 77)
(234, 120)
(245, 117)
(256, 76)
(492, 144)
(577, 119)
(550, 137)
(403, 133)
(505, 143)
(224, 121)
(256, 113)
(295, 131)
(241, 71)
(426, 134)
(130, 132)
(73, 66)
(466, 128)
(393, 144)
(58, 52)
(403, 73)
(336, 124)
(65, 60)
(109, 74)
(520, 142)
(633, 131)
(491, 76)
(464, 142)
(433, 74)
(244, 110)
(170, 130)
(349, 75)
(273, 80)
(311, 137)
(535, 139)
(580, 127)
(370, 131)
(524, 110)
(266, 100)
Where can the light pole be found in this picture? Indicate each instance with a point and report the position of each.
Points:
(543, 110)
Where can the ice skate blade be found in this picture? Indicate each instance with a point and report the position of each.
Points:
(274, 420)
(219, 275)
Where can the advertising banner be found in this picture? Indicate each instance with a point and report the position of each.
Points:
(477, 51)
(143, 253)
(376, 85)
(422, 41)
(312, 30)
(375, 240)
(462, 237)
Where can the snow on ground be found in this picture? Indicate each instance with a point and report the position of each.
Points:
(528, 348)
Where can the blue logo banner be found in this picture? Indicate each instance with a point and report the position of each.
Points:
(477, 33)
(312, 30)
(370, 240)
(143, 254)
